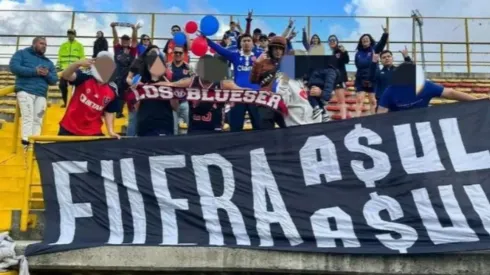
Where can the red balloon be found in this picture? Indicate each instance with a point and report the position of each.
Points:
(191, 27)
(199, 46)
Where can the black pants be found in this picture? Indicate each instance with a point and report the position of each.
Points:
(63, 85)
(269, 117)
(122, 88)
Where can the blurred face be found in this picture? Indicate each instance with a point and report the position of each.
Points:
(257, 36)
(71, 36)
(365, 41)
(174, 30)
(125, 43)
(332, 42)
(277, 52)
(232, 26)
(387, 59)
(178, 54)
(227, 41)
(156, 69)
(264, 42)
(246, 43)
(315, 40)
(145, 40)
(40, 46)
(99, 34)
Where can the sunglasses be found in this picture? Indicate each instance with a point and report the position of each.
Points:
(145, 39)
(332, 40)
(176, 30)
(178, 53)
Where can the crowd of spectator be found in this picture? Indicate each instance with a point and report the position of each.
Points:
(254, 60)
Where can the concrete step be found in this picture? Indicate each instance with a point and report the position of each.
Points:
(221, 260)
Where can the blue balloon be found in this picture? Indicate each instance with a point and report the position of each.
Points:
(180, 39)
(209, 25)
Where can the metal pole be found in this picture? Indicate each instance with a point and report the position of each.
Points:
(414, 41)
(422, 46)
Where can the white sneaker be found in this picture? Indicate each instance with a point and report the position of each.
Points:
(326, 117)
(316, 112)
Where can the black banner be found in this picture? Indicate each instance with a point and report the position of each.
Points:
(407, 182)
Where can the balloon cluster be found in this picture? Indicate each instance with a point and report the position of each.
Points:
(208, 27)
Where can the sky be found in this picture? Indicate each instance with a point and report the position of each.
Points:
(349, 24)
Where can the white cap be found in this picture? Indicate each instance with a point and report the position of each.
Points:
(106, 53)
(94, 71)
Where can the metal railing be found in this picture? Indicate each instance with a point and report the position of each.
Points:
(15, 134)
(28, 180)
(439, 53)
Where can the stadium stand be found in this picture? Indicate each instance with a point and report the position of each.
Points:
(13, 167)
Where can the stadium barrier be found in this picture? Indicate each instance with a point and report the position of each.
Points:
(30, 161)
(464, 27)
(15, 134)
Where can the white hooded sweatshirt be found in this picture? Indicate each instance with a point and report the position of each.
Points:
(295, 96)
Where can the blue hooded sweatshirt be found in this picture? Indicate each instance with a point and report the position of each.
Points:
(364, 58)
(23, 65)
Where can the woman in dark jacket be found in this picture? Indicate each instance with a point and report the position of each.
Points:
(154, 116)
(143, 44)
(343, 59)
(100, 44)
(366, 49)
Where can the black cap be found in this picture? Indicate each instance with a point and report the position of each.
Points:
(71, 31)
(272, 34)
(257, 30)
(125, 37)
(263, 37)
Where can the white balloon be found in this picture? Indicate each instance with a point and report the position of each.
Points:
(420, 79)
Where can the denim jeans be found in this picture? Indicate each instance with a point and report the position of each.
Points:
(131, 130)
(182, 112)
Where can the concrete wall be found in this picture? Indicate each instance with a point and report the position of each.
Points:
(212, 259)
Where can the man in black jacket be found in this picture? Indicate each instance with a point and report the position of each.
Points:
(100, 44)
(382, 78)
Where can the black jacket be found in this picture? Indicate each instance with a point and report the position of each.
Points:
(343, 60)
(325, 79)
(100, 44)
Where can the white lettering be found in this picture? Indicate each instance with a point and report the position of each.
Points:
(221, 96)
(461, 160)
(313, 168)
(325, 236)
(236, 96)
(193, 94)
(166, 92)
(371, 211)
(263, 184)
(90, 103)
(430, 161)
(242, 68)
(168, 205)
(69, 211)
(151, 91)
(460, 231)
(116, 230)
(210, 203)
(262, 98)
(206, 96)
(135, 201)
(480, 203)
(249, 96)
(381, 163)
